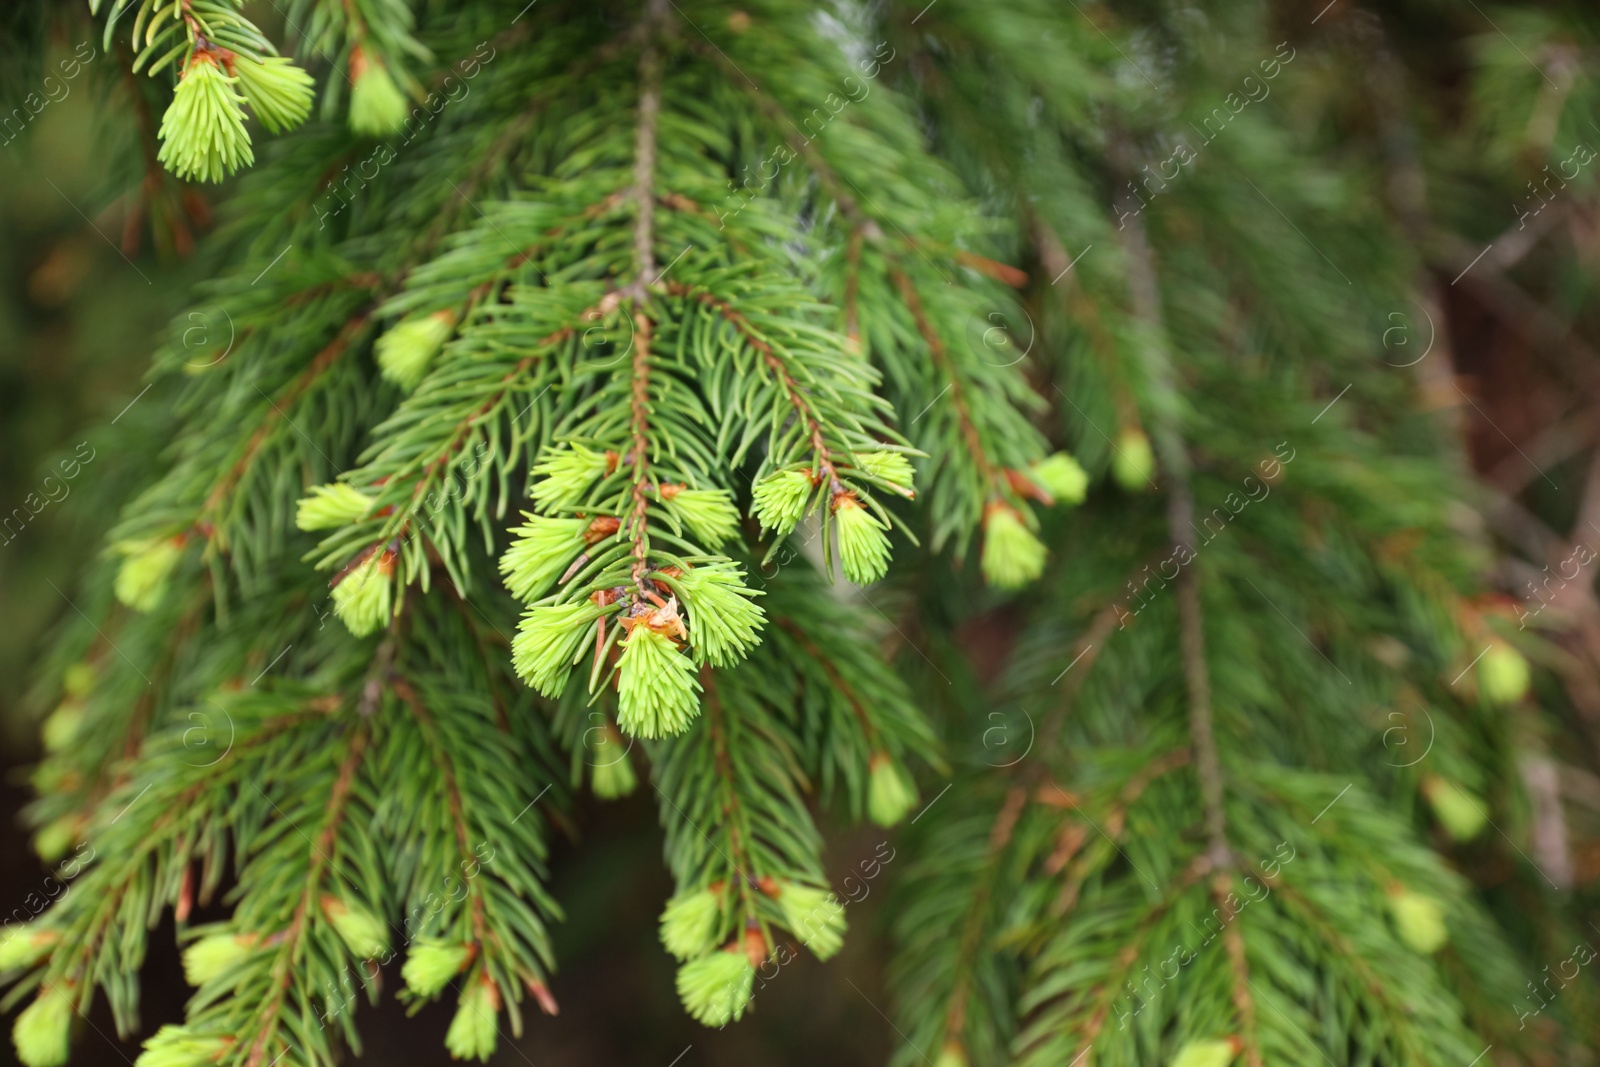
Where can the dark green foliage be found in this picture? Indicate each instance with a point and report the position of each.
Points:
(690, 252)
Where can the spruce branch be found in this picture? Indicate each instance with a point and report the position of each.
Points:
(146, 835)
(972, 930)
(736, 888)
(1145, 297)
(644, 150)
(850, 709)
(440, 456)
(475, 897)
(447, 771)
(734, 821)
(643, 196)
(568, 314)
(226, 64)
(1352, 959)
(969, 430)
(638, 520)
(293, 944)
(987, 481)
(1041, 1041)
(217, 500)
(823, 456)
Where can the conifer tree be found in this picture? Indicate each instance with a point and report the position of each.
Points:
(656, 397)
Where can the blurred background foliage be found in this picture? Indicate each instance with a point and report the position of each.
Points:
(1453, 112)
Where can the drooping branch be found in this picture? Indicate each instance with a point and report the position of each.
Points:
(324, 360)
(464, 428)
(838, 680)
(1124, 965)
(293, 945)
(456, 805)
(1145, 296)
(734, 820)
(972, 930)
(989, 470)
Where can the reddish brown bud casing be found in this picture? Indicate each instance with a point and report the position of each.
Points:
(755, 946)
(541, 993)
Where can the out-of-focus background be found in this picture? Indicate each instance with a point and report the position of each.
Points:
(95, 263)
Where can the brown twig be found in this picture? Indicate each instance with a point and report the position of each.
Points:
(639, 407)
(1145, 296)
(990, 472)
(971, 932)
(452, 789)
(747, 877)
(293, 941)
(643, 196)
(834, 677)
(796, 397)
(319, 366)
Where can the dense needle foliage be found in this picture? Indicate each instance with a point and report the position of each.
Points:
(658, 396)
